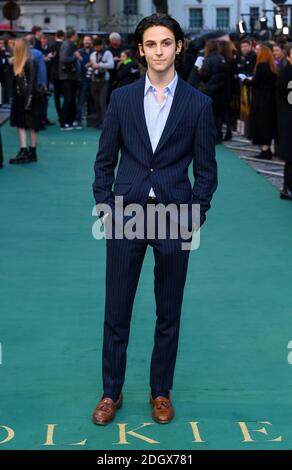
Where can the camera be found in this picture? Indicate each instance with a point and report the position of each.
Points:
(89, 72)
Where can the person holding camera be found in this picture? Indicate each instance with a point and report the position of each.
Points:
(85, 99)
(25, 104)
(69, 74)
(101, 61)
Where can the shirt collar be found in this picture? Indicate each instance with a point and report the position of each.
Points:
(170, 87)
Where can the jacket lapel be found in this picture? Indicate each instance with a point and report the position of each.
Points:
(176, 113)
(138, 113)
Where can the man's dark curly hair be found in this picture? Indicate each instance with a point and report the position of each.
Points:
(158, 19)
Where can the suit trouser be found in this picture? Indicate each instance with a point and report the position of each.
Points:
(123, 267)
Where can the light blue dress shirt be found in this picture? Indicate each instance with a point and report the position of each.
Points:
(156, 114)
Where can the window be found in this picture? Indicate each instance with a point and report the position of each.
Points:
(222, 18)
(254, 13)
(131, 7)
(196, 18)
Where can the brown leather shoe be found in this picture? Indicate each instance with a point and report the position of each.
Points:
(162, 411)
(104, 412)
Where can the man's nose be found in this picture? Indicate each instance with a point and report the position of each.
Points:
(158, 50)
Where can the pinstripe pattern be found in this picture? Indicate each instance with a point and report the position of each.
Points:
(187, 138)
(155, 113)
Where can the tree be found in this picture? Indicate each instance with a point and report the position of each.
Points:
(161, 6)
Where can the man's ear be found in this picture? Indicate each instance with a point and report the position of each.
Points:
(141, 51)
(179, 47)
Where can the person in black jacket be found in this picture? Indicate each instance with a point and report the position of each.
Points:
(127, 70)
(212, 81)
(54, 58)
(247, 60)
(37, 33)
(25, 113)
(262, 124)
(6, 71)
(69, 74)
(228, 51)
(116, 47)
(284, 104)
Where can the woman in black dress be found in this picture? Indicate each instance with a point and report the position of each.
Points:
(284, 103)
(25, 114)
(262, 125)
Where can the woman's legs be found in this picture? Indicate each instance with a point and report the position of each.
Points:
(22, 137)
(33, 138)
(22, 155)
(32, 156)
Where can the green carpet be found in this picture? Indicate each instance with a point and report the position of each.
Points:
(236, 320)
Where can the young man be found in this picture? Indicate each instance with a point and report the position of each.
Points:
(162, 125)
(69, 75)
(248, 57)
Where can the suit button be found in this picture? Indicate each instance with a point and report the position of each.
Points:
(151, 169)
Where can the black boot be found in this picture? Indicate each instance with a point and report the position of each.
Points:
(21, 157)
(264, 155)
(32, 156)
(286, 194)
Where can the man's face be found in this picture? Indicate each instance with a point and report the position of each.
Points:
(115, 43)
(245, 48)
(289, 57)
(277, 52)
(87, 44)
(98, 48)
(159, 48)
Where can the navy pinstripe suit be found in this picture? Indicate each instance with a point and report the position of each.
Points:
(188, 137)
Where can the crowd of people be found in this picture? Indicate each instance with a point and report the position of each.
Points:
(247, 81)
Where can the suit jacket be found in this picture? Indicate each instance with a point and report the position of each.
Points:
(188, 137)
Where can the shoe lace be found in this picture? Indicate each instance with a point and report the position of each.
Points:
(163, 404)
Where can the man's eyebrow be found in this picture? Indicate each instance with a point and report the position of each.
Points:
(166, 39)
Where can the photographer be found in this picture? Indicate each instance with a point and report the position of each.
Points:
(101, 61)
(85, 97)
(69, 74)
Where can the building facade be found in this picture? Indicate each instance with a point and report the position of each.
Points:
(123, 15)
